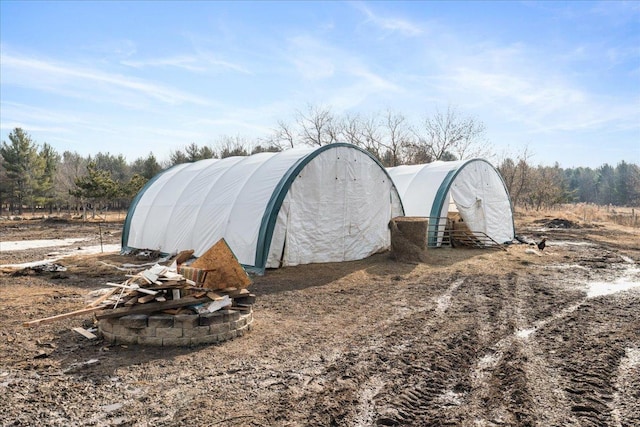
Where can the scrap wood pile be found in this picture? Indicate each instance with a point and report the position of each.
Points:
(213, 281)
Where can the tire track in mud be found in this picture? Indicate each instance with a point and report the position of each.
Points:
(449, 389)
(589, 348)
(486, 350)
(511, 382)
(626, 398)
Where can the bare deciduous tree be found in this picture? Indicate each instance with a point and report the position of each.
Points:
(283, 136)
(233, 146)
(351, 130)
(398, 138)
(517, 175)
(318, 126)
(450, 134)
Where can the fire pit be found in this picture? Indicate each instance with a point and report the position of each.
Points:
(177, 330)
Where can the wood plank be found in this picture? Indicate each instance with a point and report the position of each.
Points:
(236, 293)
(133, 287)
(168, 284)
(214, 296)
(102, 298)
(151, 307)
(145, 299)
(183, 256)
(85, 333)
(62, 316)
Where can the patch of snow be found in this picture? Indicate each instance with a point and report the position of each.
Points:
(112, 407)
(630, 280)
(450, 398)
(627, 259)
(568, 267)
(598, 289)
(624, 382)
(22, 245)
(524, 333)
(567, 243)
(444, 301)
(88, 250)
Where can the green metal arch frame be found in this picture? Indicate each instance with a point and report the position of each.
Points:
(443, 190)
(132, 208)
(267, 226)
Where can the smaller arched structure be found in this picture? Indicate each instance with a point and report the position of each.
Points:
(472, 187)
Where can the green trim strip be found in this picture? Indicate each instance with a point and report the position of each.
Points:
(270, 215)
(132, 209)
(443, 190)
(436, 207)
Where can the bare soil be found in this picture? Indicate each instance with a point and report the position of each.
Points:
(466, 338)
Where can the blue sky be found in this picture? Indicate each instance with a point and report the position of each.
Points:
(561, 78)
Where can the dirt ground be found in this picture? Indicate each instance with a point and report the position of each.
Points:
(467, 338)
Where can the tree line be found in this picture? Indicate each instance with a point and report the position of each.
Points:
(547, 186)
(34, 176)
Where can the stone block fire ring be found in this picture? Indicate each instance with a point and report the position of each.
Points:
(204, 303)
(169, 330)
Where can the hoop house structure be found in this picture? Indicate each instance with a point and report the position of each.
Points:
(300, 206)
(474, 188)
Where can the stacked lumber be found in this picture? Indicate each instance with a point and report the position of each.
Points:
(158, 284)
(163, 289)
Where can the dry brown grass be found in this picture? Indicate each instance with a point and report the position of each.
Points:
(587, 214)
(110, 216)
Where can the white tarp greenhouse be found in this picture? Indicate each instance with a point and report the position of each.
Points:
(299, 206)
(472, 187)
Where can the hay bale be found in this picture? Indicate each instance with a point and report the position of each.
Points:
(409, 238)
(461, 234)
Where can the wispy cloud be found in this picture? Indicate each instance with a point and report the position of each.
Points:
(313, 59)
(391, 24)
(188, 63)
(199, 63)
(543, 105)
(40, 74)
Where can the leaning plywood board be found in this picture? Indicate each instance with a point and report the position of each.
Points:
(224, 269)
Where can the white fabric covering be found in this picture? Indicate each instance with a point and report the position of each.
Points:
(476, 189)
(337, 208)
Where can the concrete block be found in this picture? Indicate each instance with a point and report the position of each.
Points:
(239, 323)
(232, 315)
(134, 321)
(181, 342)
(119, 329)
(248, 300)
(169, 333)
(126, 339)
(211, 318)
(108, 337)
(160, 321)
(219, 328)
(186, 320)
(105, 325)
(198, 331)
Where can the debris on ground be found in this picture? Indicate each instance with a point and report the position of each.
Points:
(33, 270)
(218, 282)
(558, 223)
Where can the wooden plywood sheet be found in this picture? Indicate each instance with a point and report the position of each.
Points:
(224, 269)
